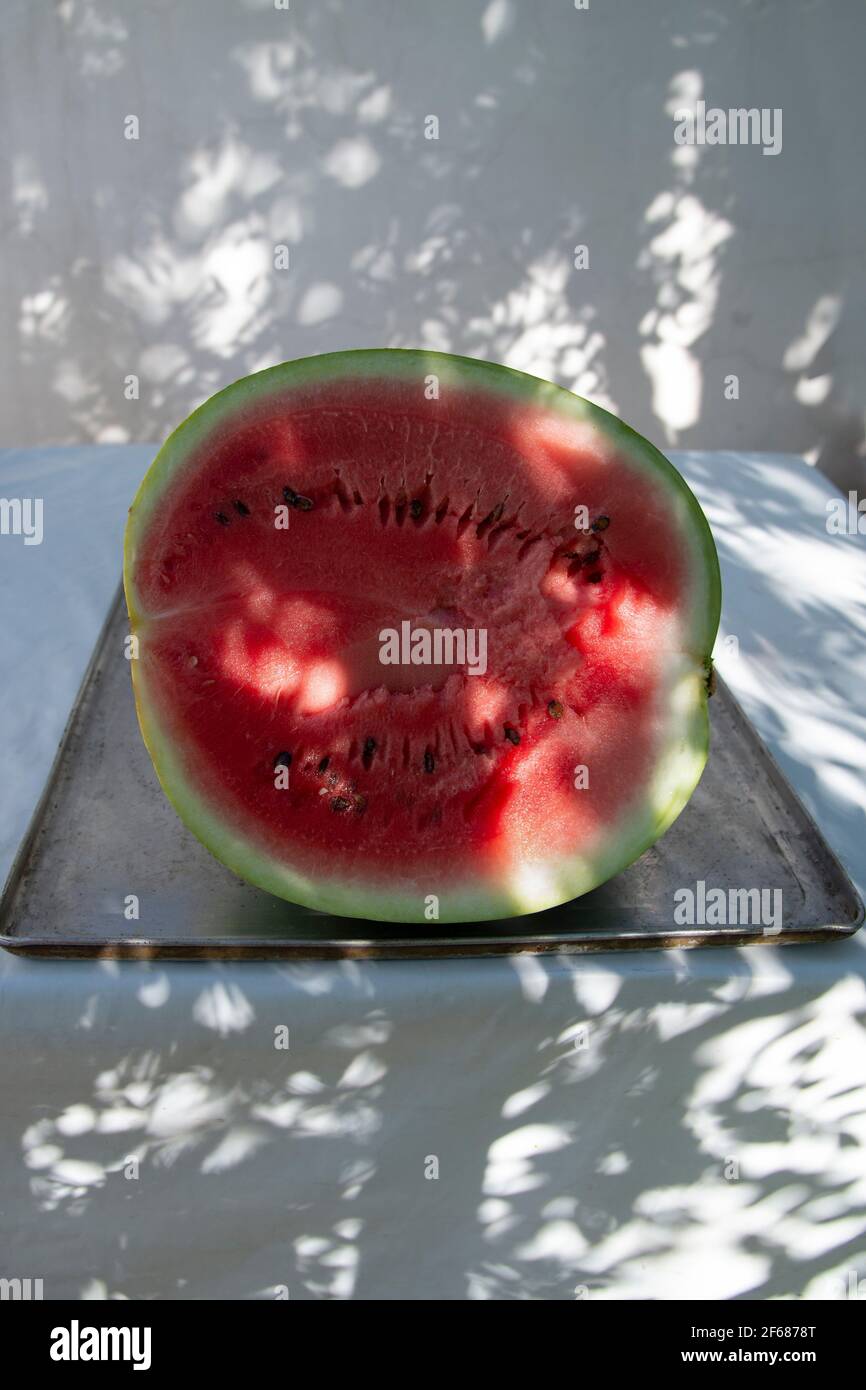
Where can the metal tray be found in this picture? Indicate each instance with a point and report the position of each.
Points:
(103, 830)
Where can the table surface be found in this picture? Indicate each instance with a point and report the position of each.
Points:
(659, 1125)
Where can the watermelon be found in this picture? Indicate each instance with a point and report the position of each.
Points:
(420, 638)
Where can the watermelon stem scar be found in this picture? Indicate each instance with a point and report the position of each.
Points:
(260, 650)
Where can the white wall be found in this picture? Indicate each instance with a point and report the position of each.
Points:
(260, 127)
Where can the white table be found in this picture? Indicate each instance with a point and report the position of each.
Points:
(707, 1141)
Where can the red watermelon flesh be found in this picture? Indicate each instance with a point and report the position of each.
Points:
(313, 516)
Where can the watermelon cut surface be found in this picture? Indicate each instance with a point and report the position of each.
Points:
(420, 638)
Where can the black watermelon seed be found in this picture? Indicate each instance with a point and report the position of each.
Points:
(283, 760)
(592, 558)
(323, 766)
(416, 507)
(595, 578)
(601, 523)
(571, 555)
(294, 499)
(369, 747)
(242, 509)
(555, 709)
(222, 518)
(339, 804)
(512, 735)
(429, 761)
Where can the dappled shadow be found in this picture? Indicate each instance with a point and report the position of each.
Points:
(308, 130)
(584, 1144)
(802, 649)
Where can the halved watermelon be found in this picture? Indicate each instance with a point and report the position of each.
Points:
(307, 561)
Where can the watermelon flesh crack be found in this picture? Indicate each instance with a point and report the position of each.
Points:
(317, 517)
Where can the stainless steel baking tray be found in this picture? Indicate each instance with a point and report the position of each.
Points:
(103, 830)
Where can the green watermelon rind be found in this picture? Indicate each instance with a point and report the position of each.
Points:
(682, 749)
